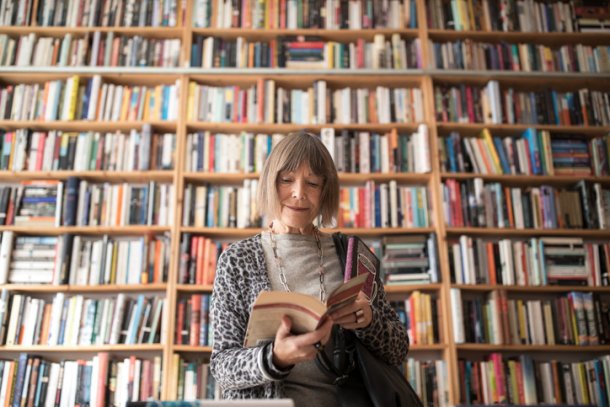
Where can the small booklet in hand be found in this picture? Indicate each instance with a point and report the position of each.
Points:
(306, 312)
(361, 260)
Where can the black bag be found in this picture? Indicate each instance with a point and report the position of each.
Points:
(362, 379)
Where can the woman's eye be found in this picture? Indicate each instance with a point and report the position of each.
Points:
(285, 180)
(314, 184)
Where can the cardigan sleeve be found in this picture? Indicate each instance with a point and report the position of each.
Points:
(232, 365)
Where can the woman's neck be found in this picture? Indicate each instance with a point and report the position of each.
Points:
(279, 228)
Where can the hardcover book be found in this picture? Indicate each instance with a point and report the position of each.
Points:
(306, 312)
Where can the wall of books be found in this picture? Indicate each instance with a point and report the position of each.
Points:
(472, 141)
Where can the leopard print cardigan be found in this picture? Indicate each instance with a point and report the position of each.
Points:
(241, 275)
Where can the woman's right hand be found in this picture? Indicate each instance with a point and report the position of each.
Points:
(290, 349)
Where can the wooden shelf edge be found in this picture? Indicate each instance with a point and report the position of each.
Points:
(194, 288)
(82, 348)
(343, 177)
(511, 232)
(243, 232)
(85, 289)
(536, 179)
(86, 230)
(194, 349)
(532, 348)
(163, 175)
(408, 288)
(530, 289)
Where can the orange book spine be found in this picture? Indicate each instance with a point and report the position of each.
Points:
(492, 263)
(200, 257)
(195, 325)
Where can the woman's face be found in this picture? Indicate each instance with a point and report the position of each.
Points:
(299, 192)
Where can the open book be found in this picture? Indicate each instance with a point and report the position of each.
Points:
(307, 312)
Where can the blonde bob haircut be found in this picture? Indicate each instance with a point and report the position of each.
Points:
(288, 155)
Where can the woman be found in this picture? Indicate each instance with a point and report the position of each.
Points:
(298, 185)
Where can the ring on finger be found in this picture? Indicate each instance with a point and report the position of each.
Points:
(359, 316)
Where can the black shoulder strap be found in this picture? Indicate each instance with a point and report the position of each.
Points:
(340, 241)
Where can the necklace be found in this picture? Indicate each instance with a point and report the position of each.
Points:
(280, 266)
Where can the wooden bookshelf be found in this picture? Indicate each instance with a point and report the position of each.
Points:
(426, 79)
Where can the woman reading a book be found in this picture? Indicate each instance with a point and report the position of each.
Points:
(298, 185)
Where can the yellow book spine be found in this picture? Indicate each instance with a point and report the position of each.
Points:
(191, 113)
(492, 150)
(73, 96)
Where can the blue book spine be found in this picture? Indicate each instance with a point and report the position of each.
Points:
(19, 379)
(501, 154)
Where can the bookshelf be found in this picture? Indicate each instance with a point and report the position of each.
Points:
(184, 24)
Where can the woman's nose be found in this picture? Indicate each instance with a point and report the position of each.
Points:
(298, 191)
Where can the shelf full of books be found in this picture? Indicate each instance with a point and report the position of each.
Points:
(471, 139)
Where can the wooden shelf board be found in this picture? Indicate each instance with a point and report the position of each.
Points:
(82, 348)
(86, 230)
(84, 125)
(527, 179)
(520, 37)
(106, 176)
(110, 288)
(270, 33)
(40, 31)
(223, 178)
(193, 126)
(245, 232)
(505, 232)
(195, 349)
(532, 348)
(409, 288)
(194, 288)
(516, 129)
(530, 289)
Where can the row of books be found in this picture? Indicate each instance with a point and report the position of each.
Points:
(473, 203)
(198, 256)
(263, 102)
(94, 49)
(221, 206)
(409, 259)
(429, 379)
(83, 260)
(194, 325)
(352, 151)
(496, 15)
(492, 104)
(79, 320)
(535, 152)
(70, 100)
(306, 52)
(364, 152)
(101, 381)
(524, 57)
(292, 14)
(532, 262)
(56, 150)
(193, 381)
(574, 318)
(384, 205)
(105, 13)
(77, 202)
(419, 314)
(520, 380)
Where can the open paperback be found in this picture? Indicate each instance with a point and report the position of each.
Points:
(305, 311)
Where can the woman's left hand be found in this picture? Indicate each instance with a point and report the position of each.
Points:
(356, 315)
